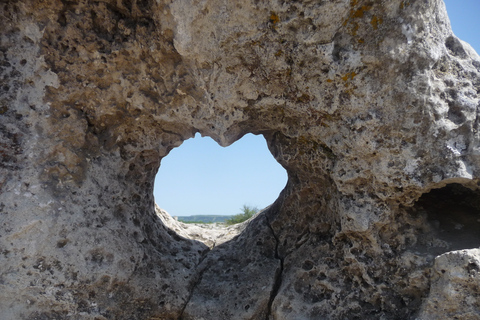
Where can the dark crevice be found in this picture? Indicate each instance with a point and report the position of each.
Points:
(199, 277)
(452, 219)
(278, 274)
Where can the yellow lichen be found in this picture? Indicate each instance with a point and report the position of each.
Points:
(375, 22)
(349, 75)
(274, 19)
(355, 28)
(360, 11)
(404, 4)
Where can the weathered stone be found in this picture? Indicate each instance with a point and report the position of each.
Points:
(210, 234)
(455, 273)
(369, 105)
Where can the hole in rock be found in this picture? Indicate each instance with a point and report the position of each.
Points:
(452, 216)
(455, 47)
(202, 181)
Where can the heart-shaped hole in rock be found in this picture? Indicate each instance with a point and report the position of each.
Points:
(202, 181)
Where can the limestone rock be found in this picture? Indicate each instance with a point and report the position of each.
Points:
(210, 234)
(455, 273)
(371, 107)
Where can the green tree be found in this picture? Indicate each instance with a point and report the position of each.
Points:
(247, 213)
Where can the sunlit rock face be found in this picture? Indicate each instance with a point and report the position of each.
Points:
(367, 104)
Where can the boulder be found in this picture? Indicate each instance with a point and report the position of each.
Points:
(370, 106)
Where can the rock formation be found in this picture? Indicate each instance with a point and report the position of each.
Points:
(370, 106)
(211, 234)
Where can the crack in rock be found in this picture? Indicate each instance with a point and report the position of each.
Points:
(278, 274)
(196, 283)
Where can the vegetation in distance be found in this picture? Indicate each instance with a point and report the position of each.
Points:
(203, 219)
(247, 213)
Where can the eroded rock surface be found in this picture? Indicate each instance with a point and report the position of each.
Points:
(369, 106)
(211, 234)
(455, 273)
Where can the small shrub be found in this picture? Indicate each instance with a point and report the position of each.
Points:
(248, 212)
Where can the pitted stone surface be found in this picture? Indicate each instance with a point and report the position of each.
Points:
(367, 104)
(211, 234)
(455, 273)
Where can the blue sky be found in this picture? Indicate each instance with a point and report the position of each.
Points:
(464, 17)
(200, 177)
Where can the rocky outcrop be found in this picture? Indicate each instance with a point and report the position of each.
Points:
(370, 106)
(211, 234)
(455, 274)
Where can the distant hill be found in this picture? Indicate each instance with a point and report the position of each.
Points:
(203, 218)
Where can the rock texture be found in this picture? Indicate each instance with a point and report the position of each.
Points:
(455, 273)
(211, 234)
(371, 107)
